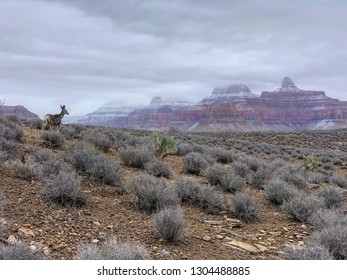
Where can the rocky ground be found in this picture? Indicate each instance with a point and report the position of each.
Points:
(58, 230)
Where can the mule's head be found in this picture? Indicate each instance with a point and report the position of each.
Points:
(64, 110)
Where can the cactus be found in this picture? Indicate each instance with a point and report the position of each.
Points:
(312, 164)
(164, 144)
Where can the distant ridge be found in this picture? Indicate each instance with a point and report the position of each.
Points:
(18, 111)
(234, 108)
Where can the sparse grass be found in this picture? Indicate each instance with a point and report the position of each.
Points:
(245, 208)
(111, 249)
(8, 149)
(53, 139)
(187, 190)
(241, 169)
(64, 189)
(222, 155)
(69, 132)
(10, 130)
(170, 223)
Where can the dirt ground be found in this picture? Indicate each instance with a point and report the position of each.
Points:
(27, 216)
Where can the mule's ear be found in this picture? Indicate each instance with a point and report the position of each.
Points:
(61, 107)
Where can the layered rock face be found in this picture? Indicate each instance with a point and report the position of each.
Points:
(18, 111)
(236, 108)
(227, 94)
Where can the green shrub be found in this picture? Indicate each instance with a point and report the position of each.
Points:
(164, 144)
(312, 164)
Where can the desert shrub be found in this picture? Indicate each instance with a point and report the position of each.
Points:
(261, 177)
(332, 198)
(152, 194)
(8, 149)
(111, 249)
(39, 155)
(10, 131)
(136, 157)
(170, 223)
(64, 189)
(34, 123)
(69, 132)
(194, 163)
(19, 251)
(209, 200)
(301, 206)
(339, 181)
(80, 160)
(51, 167)
(316, 178)
(245, 208)
(312, 164)
(81, 146)
(53, 139)
(328, 217)
(187, 190)
(278, 191)
(253, 163)
(101, 140)
(311, 252)
(225, 179)
(105, 171)
(222, 155)
(241, 169)
(294, 174)
(29, 169)
(184, 149)
(334, 238)
(158, 168)
(164, 144)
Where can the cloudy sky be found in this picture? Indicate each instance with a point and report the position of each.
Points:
(84, 53)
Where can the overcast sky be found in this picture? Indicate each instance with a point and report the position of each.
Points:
(84, 53)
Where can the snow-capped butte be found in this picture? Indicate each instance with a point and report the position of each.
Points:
(227, 94)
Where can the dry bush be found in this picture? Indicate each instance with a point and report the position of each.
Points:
(245, 208)
(111, 249)
(170, 223)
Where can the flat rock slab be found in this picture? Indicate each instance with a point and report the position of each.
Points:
(242, 246)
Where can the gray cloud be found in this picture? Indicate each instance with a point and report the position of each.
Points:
(84, 53)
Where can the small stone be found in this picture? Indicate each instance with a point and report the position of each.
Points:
(26, 232)
(303, 226)
(46, 251)
(97, 224)
(219, 236)
(301, 243)
(110, 226)
(33, 248)
(262, 231)
(285, 229)
(206, 238)
(12, 240)
(95, 241)
(262, 248)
